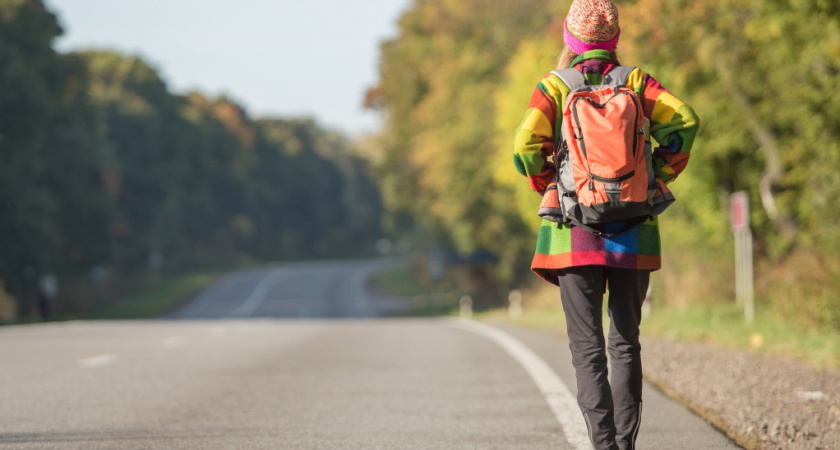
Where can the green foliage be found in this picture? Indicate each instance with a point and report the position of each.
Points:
(761, 75)
(311, 193)
(53, 210)
(141, 129)
(154, 299)
(200, 182)
(513, 200)
(437, 83)
(102, 166)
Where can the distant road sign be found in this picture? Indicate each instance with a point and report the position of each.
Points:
(739, 215)
(739, 210)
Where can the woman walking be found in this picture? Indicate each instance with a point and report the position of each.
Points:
(586, 263)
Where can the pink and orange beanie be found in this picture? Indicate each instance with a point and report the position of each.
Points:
(591, 25)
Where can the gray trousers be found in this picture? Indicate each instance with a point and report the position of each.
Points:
(611, 407)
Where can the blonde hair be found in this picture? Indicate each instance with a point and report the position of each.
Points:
(566, 57)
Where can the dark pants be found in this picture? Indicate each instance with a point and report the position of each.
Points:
(612, 408)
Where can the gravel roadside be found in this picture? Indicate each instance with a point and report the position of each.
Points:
(762, 402)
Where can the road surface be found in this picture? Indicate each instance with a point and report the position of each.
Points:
(295, 357)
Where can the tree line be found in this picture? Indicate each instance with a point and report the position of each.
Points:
(103, 167)
(455, 82)
(106, 172)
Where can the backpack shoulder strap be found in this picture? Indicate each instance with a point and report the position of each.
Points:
(618, 75)
(572, 77)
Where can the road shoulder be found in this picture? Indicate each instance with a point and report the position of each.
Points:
(666, 424)
(761, 401)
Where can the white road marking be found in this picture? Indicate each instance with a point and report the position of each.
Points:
(559, 398)
(96, 361)
(257, 296)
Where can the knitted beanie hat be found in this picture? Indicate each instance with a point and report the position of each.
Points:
(591, 25)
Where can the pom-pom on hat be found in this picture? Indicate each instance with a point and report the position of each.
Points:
(591, 25)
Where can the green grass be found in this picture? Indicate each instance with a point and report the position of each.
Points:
(155, 299)
(722, 325)
(768, 333)
(549, 318)
(398, 282)
(427, 301)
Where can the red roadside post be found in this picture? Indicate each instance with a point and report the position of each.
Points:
(739, 215)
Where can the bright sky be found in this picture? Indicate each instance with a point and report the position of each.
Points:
(285, 58)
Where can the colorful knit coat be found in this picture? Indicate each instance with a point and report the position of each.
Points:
(673, 125)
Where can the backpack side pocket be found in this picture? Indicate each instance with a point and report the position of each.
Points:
(550, 204)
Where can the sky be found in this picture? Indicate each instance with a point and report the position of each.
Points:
(278, 58)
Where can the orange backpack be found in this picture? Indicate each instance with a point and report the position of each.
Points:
(603, 158)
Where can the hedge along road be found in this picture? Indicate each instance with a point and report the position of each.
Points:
(295, 357)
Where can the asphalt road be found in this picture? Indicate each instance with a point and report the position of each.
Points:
(295, 357)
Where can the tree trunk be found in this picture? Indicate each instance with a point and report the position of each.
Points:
(784, 224)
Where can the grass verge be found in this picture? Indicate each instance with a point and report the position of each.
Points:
(397, 282)
(768, 333)
(722, 325)
(155, 299)
(426, 300)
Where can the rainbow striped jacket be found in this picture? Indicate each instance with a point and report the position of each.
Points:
(674, 126)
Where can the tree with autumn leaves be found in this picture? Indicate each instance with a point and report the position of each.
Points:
(104, 170)
(456, 80)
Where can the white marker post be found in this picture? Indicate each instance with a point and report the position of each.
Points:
(739, 214)
(515, 304)
(466, 306)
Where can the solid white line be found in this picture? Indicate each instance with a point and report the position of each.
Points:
(96, 361)
(257, 296)
(558, 396)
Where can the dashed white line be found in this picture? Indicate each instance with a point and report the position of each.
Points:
(558, 396)
(96, 361)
